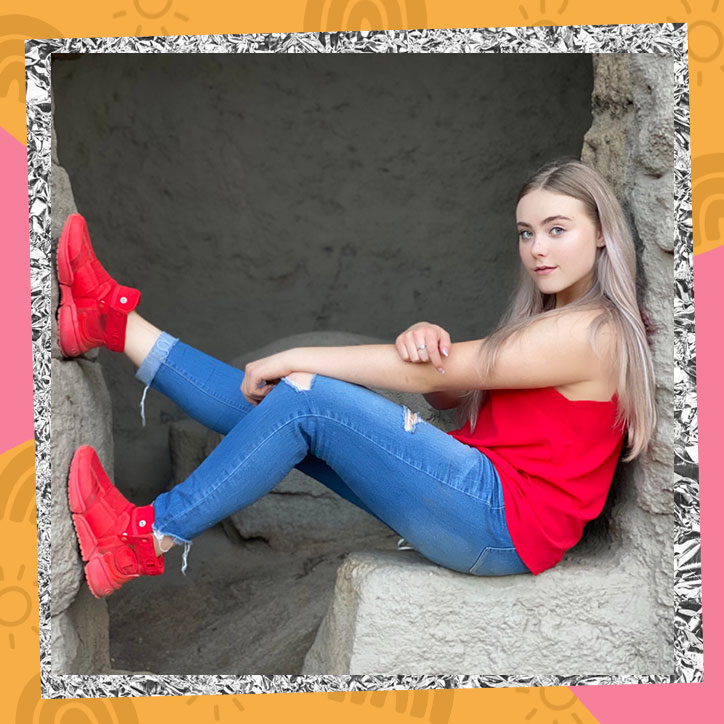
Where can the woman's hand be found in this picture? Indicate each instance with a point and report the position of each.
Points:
(424, 342)
(262, 375)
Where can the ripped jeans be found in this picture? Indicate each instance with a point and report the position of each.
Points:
(441, 495)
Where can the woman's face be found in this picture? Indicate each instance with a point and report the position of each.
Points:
(557, 241)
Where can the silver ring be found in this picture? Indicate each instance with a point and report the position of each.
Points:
(421, 347)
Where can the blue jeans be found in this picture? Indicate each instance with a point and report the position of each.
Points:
(441, 495)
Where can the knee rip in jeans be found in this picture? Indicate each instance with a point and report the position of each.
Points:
(410, 419)
(300, 381)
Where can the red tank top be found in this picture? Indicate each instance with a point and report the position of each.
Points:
(555, 458)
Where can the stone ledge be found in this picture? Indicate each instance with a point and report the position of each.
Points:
(396, 613)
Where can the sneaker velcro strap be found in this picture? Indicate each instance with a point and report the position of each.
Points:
(126, 561)
(122, 300)
(151, 565)
(140, 534)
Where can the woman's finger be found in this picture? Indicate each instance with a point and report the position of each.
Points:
(402, 349)
(248, 393)
(421, 347)
(251, 400)
(433, 345)
(262, 392)
(445, 343)
(411, 347)
(250, 385)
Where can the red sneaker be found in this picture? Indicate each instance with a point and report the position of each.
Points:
(93, 306)
(115, 536)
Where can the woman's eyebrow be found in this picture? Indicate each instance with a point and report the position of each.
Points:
(545, 221)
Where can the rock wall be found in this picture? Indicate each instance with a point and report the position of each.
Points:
(80, 415)
(631, 141)
(397, 614)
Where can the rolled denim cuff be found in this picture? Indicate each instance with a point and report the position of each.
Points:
(147, 371)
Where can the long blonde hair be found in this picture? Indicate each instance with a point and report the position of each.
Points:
(613, 291)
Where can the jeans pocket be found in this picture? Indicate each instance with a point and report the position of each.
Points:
(498, 562)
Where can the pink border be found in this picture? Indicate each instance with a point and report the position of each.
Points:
(16, 380)
(618, 704)
(678, 702)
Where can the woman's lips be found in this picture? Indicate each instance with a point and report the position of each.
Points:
(543, 270)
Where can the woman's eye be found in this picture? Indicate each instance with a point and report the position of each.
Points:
(522, 233)
(559, 228)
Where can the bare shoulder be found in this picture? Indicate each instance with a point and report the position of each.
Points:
(595, 328)
(571, 351)
(579, 324)
(596, 341)
(580, 328)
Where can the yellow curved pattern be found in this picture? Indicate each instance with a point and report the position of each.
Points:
(17, 483)
(31, 709)
(707, 192)
(14, 29)
(330, 15)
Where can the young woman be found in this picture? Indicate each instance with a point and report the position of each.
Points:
(548, 399)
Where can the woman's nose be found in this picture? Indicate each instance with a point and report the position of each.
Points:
(539, 246)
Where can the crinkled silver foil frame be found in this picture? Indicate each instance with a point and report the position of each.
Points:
(666, 39)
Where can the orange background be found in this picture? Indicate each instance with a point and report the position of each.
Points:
(19, 653)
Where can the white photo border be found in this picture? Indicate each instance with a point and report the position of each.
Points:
(662, 39)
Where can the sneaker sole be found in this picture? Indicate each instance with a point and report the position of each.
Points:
(97, 578)
(68, 332)
(95, 571)
(86, 539)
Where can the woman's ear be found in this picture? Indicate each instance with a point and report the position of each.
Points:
(600, 241)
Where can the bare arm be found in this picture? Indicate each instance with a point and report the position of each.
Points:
(379, 365)
(552, 352)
